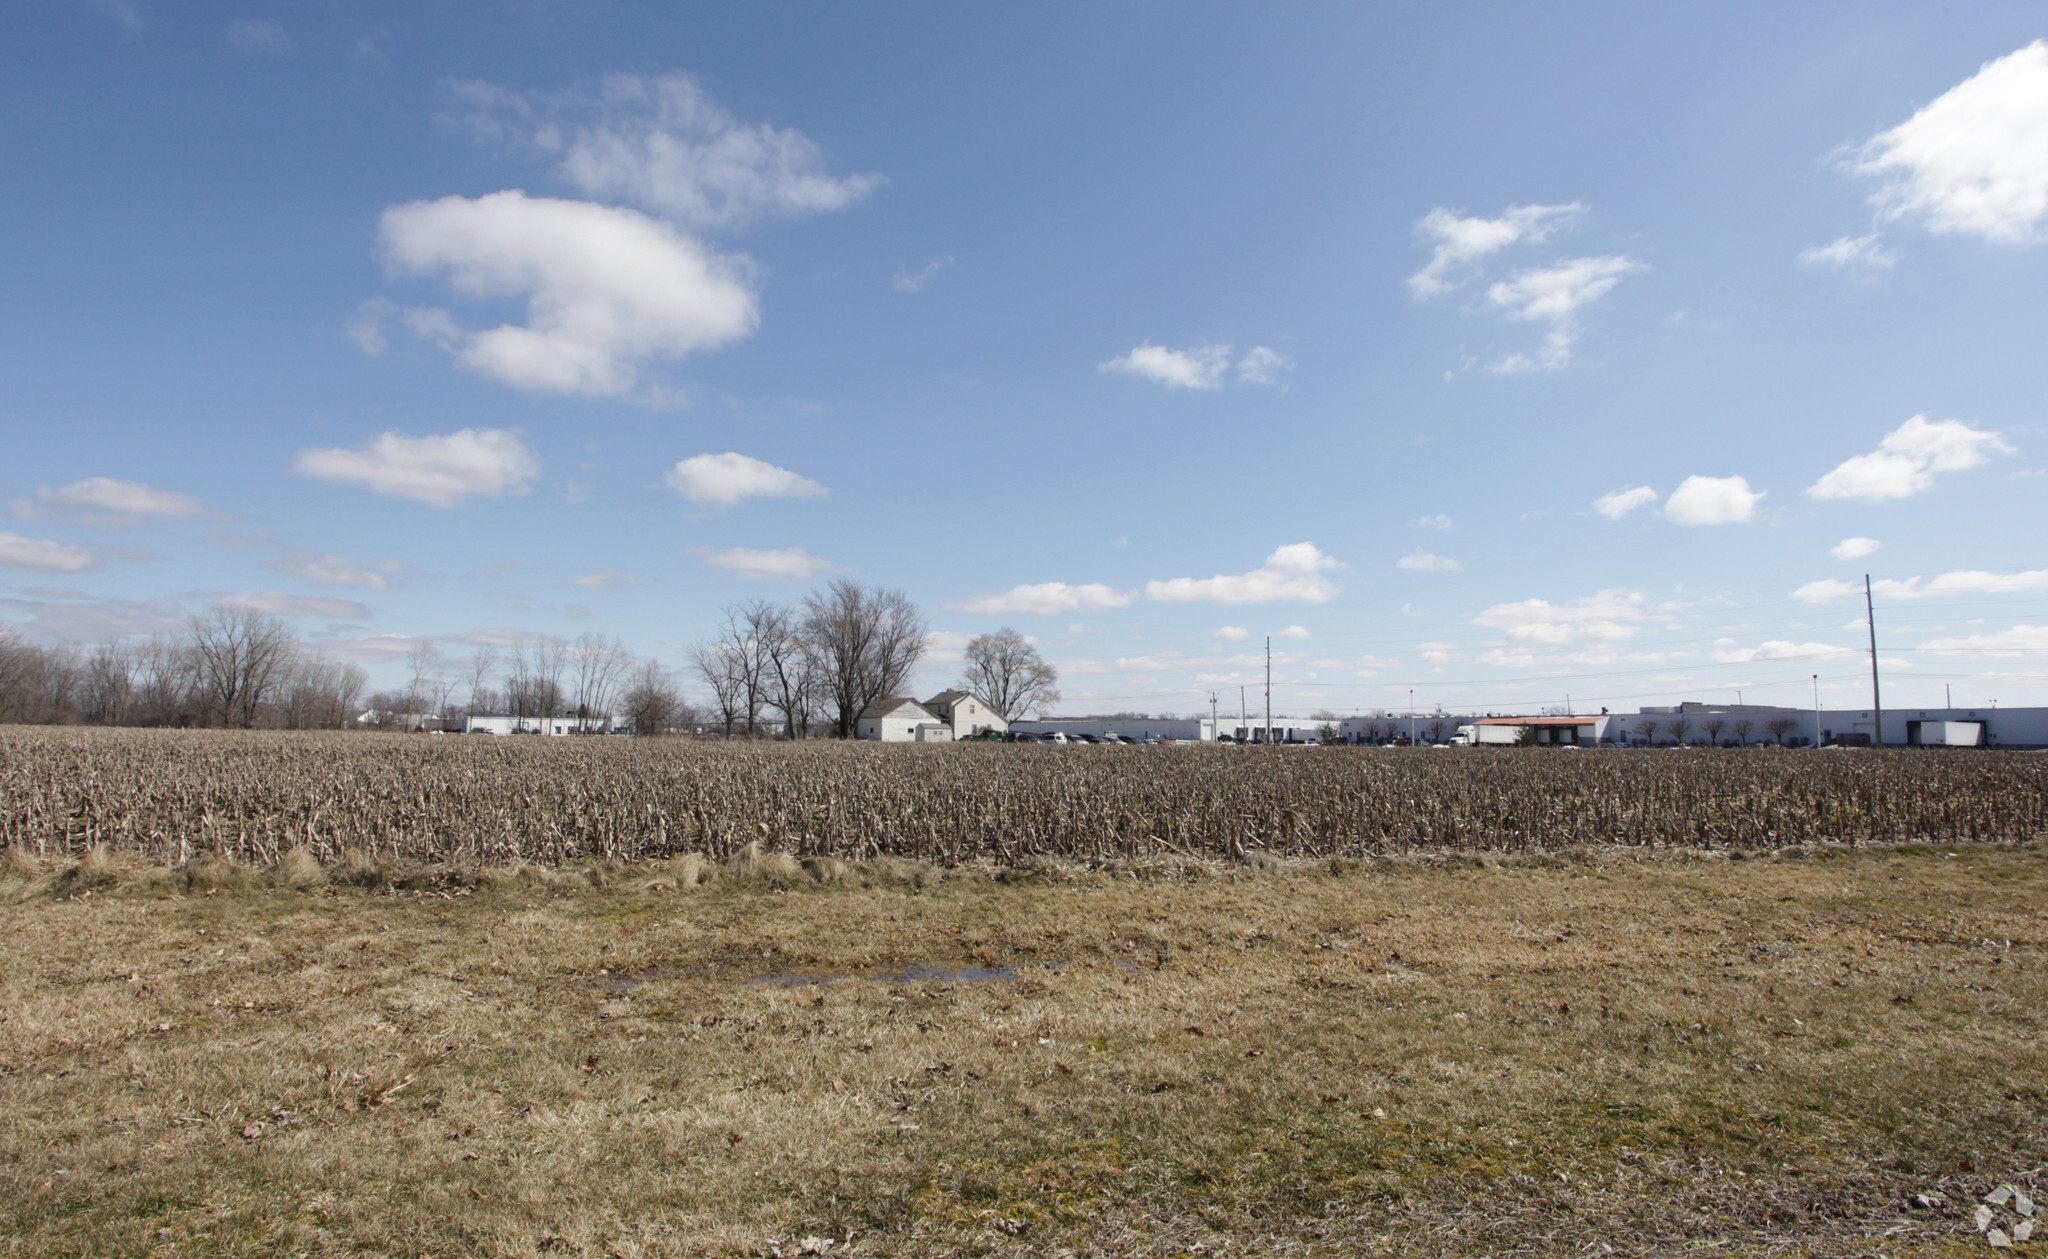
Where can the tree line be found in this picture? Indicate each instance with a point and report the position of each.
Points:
(795, 670)
(230, 668)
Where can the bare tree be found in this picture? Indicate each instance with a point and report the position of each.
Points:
(1646, 730)
(1713, 726)
(1779, 727)
(108, 683)
(650, 701)
(1004, 671)
(533, 682)
(1742, 726)
(165, 677)
(717, 664)
(1677, 728)
(483, 662)
(600, 664)
(865, 641)
(423, 662)
(788, 667)
(240, 655)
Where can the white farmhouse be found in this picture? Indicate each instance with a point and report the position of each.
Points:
(965, 714)
(901, 721)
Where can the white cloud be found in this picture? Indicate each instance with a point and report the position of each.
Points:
(1294, 571)
(335, 570)
(665, 146)
(1435, 522)
(908, 281)
(722, 480)
(1049, 597)
(1436, 654)
(284, 603)
(606, 289)
(1848, 251)
(1261, 366)
(1602, 617)
(1425, 562)
(1905, 462)
(606, 579)
(794, 564)
(1958, 582)
(1293, 631)
(1825, 591)
(2019, 639)
(1620, 503)
(1504, 658)
(369, 648)
(105, 503)
(1554, 295)
(438, 470)
(1233, 633)
(1854, 548)
(1461, 242)
(1776, 649)
(1710, 500)
(1198, 368)
(259, 36)
(1975, 159)
(44, 557)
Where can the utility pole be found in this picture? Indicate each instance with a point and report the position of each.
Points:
(1269, 689)
(1244, 719)
(1816, 710)
(1411, 716)
(1876, 703)
(1212, 716)
(1948, 695)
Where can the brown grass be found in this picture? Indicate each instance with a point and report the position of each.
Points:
(1454, 1056)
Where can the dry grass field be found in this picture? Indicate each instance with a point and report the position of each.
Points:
(1599, 1051)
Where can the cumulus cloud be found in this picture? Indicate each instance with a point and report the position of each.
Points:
(1295, 571)
(664, 145)
(1293, 631)
(284, 603)
(441, 470)
(1958, 582)
(1199, 368)
(1854, 548)
(722, 480)
(1601, 617)
(105, 503)
(606, 579)
(1049, 597)
(1461, 241)
(1710, 500)
(1233, 633)
(44, 556)
(2020, 639)
(1554, 295)
(1262, 366)
(1620, 503)
(259, 36)
(1435, 522)
(1905, 462)
(1848, 251)
(607, 290)
(335, 570)
(1425, 562)
(1973, 160)
(794, 564)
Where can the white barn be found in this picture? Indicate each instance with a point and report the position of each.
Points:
(901, 721)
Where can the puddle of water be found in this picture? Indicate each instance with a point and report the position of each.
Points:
(908, 974)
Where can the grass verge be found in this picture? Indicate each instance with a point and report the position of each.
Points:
(1657, 1054)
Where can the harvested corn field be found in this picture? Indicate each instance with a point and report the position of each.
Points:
(253, 797)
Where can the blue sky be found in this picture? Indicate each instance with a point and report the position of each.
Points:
(1502, 353)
